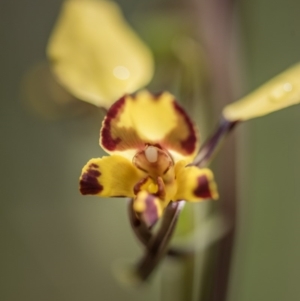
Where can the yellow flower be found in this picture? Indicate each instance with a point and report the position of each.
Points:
(95, 54)
(150, 140)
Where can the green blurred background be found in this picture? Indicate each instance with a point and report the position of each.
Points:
(58, 245)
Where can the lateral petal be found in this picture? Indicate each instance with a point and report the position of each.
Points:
(112, 176)
(194, 184)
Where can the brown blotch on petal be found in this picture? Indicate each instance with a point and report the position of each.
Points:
(189, 144)
(114, 137)
(93, 165)
(94, 173)
(203, 189)
(89, 183)
(106, 137)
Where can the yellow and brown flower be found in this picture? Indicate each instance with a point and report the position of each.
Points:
(151, 140)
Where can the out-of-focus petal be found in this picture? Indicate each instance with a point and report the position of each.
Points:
(194, 184)
(279, 93)
(109, 176)
(95, 54)
(149, 207)
(144, 118)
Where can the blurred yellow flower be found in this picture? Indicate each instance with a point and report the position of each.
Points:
(151, 140)
(280, 92)
(95, 54)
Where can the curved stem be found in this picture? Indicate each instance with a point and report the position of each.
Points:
(212, 145)
(158, 244)
(144, 234)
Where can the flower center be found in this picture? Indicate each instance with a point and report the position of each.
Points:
(154, 161)
(158, 167)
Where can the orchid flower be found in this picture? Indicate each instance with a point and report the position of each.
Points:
(154, 150)
(151, 141)
(155, 157)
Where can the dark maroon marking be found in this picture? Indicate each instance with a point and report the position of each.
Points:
(106, 138)
(93, 165)
(202, 190)
(189, 143)
(138, 185)
(89, 184)
(94, 173)
(150, 215)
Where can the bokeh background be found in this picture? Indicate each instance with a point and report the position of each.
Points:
(58, 245)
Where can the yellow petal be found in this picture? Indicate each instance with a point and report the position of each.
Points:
(144, 118)
(148, 206)
(280, 92)
(109, 176)
(95, 54)
(194, 184)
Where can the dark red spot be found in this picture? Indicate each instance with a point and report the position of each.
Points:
(189, 143)
(89, 183)
(94, 173)
(203, 190)
(93, 165)
(106, 138)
